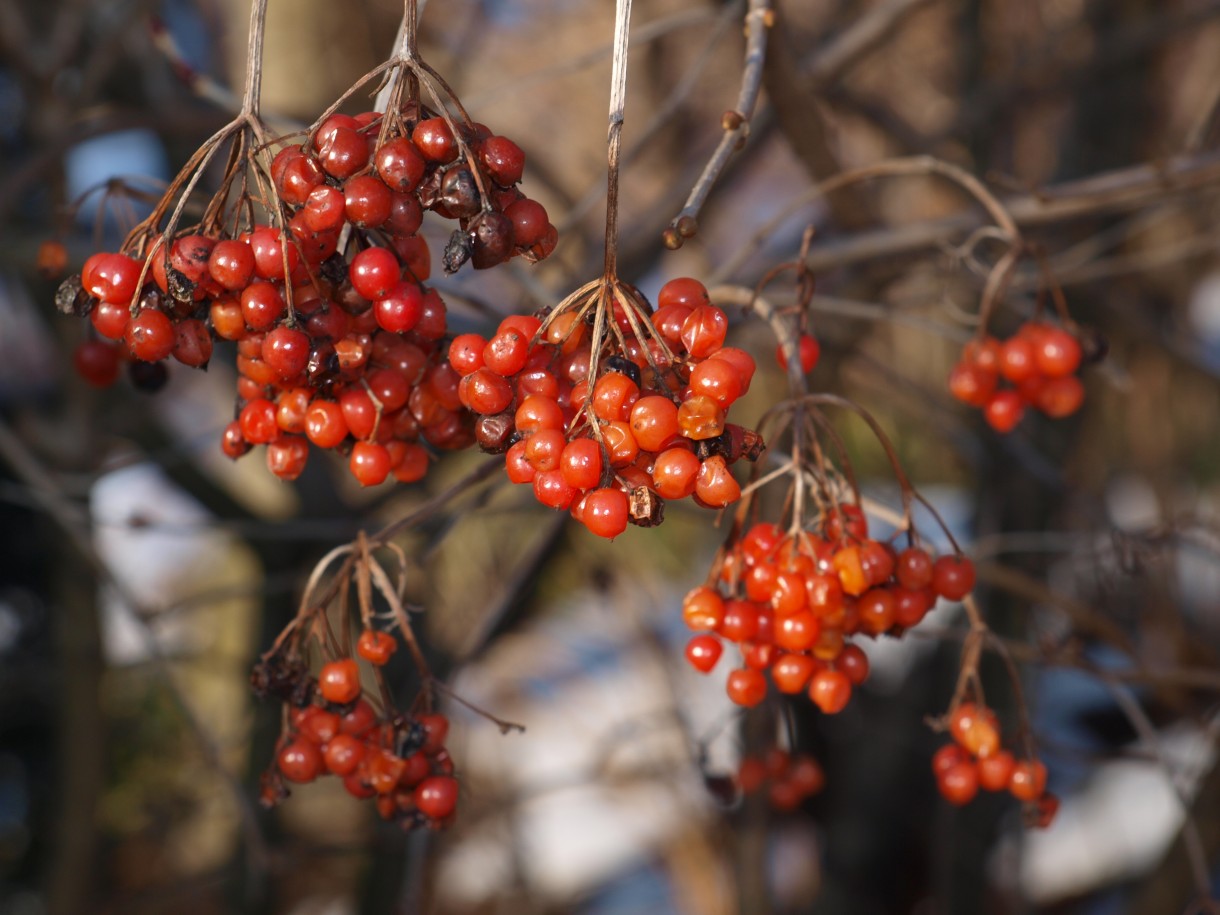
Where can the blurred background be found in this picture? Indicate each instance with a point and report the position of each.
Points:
(142, 572)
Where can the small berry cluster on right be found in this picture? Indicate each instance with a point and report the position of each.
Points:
(792, 602)
(977, 760)
(1039, 365)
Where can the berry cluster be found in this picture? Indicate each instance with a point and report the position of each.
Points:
(1039, 362)
(792, 602)
(334, 349)
(608, 410)
(976, 760)
(379, 181)
(332, 729)
(789, 779)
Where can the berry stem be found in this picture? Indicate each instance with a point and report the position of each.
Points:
(410, 29)
(254, 62)
(618, 104)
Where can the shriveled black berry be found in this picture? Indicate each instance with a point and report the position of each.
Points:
(495, 433)
(71, 298)
(459, 193)
(492, 239)
(624, 366)
(457, 251)
(149, 377)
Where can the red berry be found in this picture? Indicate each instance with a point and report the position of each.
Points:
(258, 422)
(530, 222)
(342, 151)
(359, 720)
(150, 336)
(366, 201)
(433, 138)
(437, 797)
(287, 456)
(97, 362)
(343, 754)
(1004, 410)
(1060, 397)
(300, 761)
(684, 291)
(375, 646)
(339, 681)
(959, 783)
(606, 512)
(830, 691)
(273, 259)
(112, 277)
(1057, 353)
(192, 343)
(703, 651)
(953, 576)
(436, 729)
(503, 159)
(1028, 780)
(286, 351)
(374, 272)
(974, 727)
(808, 349)
(746, 687)
(324, 423)
(231, 264)
(972, 384)
(369, 463)
(400, 164)
(995, 771)
(401, 308)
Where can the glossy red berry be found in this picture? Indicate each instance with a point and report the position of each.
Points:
(703, 651)
(606, 512)
(400, 164)
(953, 576)
(300, 761)
(376, 647)
(808, 349)
(746, 687)
(339, 681)
(830, 691)
(150, 336)
(369, 463)
(437, 796)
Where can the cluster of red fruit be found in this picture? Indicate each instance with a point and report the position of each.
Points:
(650, 426)
(791, 602)
(977, 760)
(338, 349)
(398, 760)
(1039, 362)
(789, 779)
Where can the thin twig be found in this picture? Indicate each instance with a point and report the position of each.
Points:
(736, 124)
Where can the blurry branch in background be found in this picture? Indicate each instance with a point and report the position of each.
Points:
(831, 61)
(1108, 192)
(52, 501)
(640, 35)
(663, 116)
(1191, 842)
